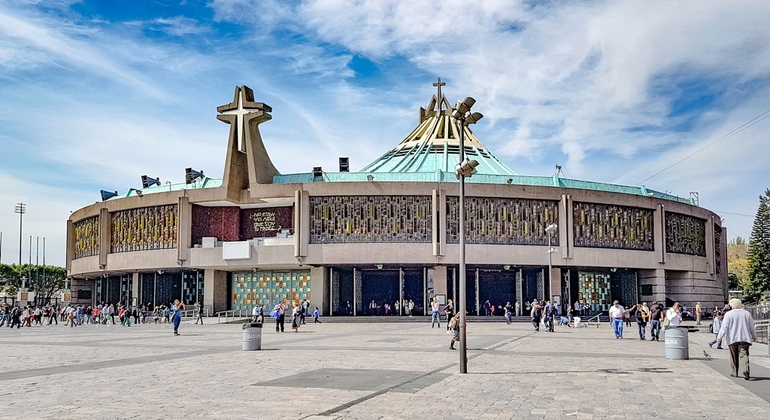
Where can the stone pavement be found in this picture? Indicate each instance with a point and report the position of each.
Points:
(367, 371)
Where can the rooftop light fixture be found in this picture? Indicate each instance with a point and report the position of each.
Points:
(148, 182)
(106, 195)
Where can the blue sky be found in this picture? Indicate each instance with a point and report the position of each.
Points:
(95, 94)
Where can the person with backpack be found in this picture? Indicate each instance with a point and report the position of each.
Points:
(454, 327)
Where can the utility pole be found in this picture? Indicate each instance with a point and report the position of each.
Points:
(20, 208)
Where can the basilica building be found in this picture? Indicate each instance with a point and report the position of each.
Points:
(390, 232)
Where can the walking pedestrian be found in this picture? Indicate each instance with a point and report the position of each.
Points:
(715, 329)
(739, 331)
(536, 314)
(316, 315)
(508, 310)
(177, 307)
(454, 327)
(656, 314)
(616, 317)
(199, 312)
(642, 313)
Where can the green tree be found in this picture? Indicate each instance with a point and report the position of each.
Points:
(737, 263)
(759, 251)
(10, 279)
(45, 281)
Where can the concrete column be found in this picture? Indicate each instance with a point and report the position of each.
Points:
(319, 289)
(135, 288)
(184, 229)
(105, 229)
(215, 289)
(659, 233)
(555, 283)
(439, 280)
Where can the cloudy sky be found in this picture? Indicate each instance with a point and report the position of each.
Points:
(94, 94)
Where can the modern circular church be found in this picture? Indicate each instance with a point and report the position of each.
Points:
(355, 243)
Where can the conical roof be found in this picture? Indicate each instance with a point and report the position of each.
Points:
(435, 145)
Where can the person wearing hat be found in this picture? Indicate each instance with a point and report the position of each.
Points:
(739, 331)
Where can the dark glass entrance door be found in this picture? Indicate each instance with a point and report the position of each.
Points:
(414, 289)
(498, 287)
(381, 288)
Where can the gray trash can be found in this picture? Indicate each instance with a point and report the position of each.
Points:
(677, 343)
(252, 336)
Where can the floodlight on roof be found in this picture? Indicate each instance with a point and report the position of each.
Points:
(148, 182)
(106, 195)
(191, 175)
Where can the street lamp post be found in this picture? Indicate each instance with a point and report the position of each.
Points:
(550, 229)
(464, 169)
(20, 208)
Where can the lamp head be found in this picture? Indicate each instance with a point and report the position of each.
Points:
(551, 228)
(473, 118)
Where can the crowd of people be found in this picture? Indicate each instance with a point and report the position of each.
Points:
(77, 315)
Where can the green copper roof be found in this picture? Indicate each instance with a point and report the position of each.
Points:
(435, 146)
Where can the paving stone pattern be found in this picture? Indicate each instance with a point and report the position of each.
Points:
(367, 371)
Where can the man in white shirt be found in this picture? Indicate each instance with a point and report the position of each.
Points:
(674, 315)
(739, 332)
(616, 316)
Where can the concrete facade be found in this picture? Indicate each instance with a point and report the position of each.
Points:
(248, 185)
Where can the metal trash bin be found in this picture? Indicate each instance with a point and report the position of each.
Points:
(252, 336)
(677, 343)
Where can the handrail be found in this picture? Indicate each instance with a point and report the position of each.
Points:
(763, 329)
(229, 314)
(595, 320)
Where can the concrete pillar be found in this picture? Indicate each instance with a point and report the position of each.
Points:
(215, 289)
(439, 281)
(555, 283)
(135, 288)
(319, 289)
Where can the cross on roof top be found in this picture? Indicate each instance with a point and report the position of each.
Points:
(438, 84)
(242, 104)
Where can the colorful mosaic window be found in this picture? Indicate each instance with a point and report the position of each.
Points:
(685, 234)
(267, 288)
(370, 219)
(595, 290)
(506, 221)
(87, 237)
(610, 226)
(718, 248)
(145, 228)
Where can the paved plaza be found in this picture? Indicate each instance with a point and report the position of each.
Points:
(400, 370)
